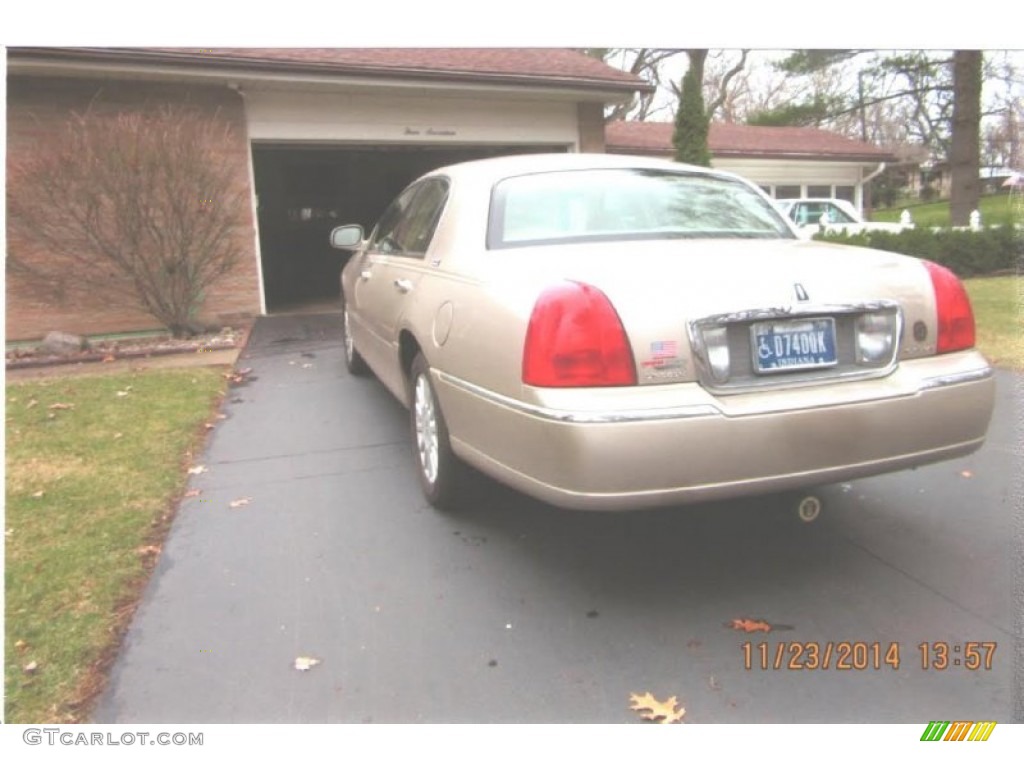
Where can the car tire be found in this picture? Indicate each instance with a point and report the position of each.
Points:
(353, 360)
(441, 473)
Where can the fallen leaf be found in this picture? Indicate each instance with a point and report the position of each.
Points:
(750, 625)
(38, 494)
(62, 406)
(662, 711)
(108, 359)
(118, 435)
(307, 365)
(221, 416)
(148, 550)
(20, 645)
(122, 393)
(197, 470)
(240, 502)
(305, 663)
(30, 667)
(208, 425)
(31, 404)
(192, 493)
(9, 532)
(967, 473)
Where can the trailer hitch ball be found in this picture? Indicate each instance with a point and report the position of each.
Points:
(808, 508)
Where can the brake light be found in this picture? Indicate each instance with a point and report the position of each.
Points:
(953, 310)
(575, 339)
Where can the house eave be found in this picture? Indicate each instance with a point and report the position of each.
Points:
(168, 65)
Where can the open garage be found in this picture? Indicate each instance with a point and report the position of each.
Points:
(304, 191)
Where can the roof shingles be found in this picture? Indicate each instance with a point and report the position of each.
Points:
(735, 140)
(541, 65)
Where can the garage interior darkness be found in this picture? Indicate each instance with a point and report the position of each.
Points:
(304, 192)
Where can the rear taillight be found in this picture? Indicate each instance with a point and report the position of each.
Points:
(576, 339)
(953, 310)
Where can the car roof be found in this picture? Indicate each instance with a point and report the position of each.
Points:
(811, 200)
(516, 165)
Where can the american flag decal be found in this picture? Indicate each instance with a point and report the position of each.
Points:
(663, 349)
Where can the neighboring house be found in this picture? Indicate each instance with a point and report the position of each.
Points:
(785, 162)
(325, 137)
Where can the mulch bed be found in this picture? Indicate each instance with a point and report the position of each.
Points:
(109, 351)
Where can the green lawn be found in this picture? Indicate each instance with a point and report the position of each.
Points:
(94, 465)
(999, 318)
(995, 209)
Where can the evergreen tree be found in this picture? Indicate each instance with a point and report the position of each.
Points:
(690, 137)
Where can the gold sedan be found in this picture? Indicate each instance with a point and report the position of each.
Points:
(609, 332)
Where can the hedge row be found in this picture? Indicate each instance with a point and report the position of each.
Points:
(966, 252)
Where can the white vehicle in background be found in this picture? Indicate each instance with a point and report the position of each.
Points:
(812, 215)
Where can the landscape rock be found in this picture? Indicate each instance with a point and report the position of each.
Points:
(60, 343)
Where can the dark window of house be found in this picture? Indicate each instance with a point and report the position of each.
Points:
(846, 193)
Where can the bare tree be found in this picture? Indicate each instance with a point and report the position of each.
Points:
(138, 206)
(645, 63)
(717, 80)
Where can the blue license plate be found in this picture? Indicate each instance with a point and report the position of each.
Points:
(793, 345)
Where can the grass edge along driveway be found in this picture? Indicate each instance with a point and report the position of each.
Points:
(998, 304)
(95, 466)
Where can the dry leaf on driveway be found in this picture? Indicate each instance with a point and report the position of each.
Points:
(661, 711)
(305, 663)
(192, 493)
(197, 470)
(967, 473)
(750, 625)
(240, 502)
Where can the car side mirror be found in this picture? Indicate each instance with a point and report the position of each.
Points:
(348, 237)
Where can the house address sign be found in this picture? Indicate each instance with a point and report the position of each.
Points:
(409, 131)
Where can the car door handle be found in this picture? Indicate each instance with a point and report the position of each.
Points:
(365, 274)
(404, 286)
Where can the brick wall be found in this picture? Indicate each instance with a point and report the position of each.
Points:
(591, 122)
(36, 109)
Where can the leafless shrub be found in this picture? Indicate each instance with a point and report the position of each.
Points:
(139, 206)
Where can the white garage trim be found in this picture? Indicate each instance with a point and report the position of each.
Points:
(292, 116)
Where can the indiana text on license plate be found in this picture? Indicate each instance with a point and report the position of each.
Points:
(787, 345)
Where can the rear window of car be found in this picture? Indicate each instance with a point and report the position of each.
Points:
(626, 204)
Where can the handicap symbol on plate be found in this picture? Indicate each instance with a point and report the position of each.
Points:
(763, 350)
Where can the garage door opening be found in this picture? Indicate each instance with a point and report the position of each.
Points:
(304, 192)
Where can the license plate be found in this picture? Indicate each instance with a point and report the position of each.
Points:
(793, 345)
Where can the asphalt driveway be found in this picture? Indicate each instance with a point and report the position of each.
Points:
(516, 612)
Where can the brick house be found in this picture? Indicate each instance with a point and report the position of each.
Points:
(330, 136)
(325, 137)
(786, 162)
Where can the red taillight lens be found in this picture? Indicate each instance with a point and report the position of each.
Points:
(953, 310)
(575, 339)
